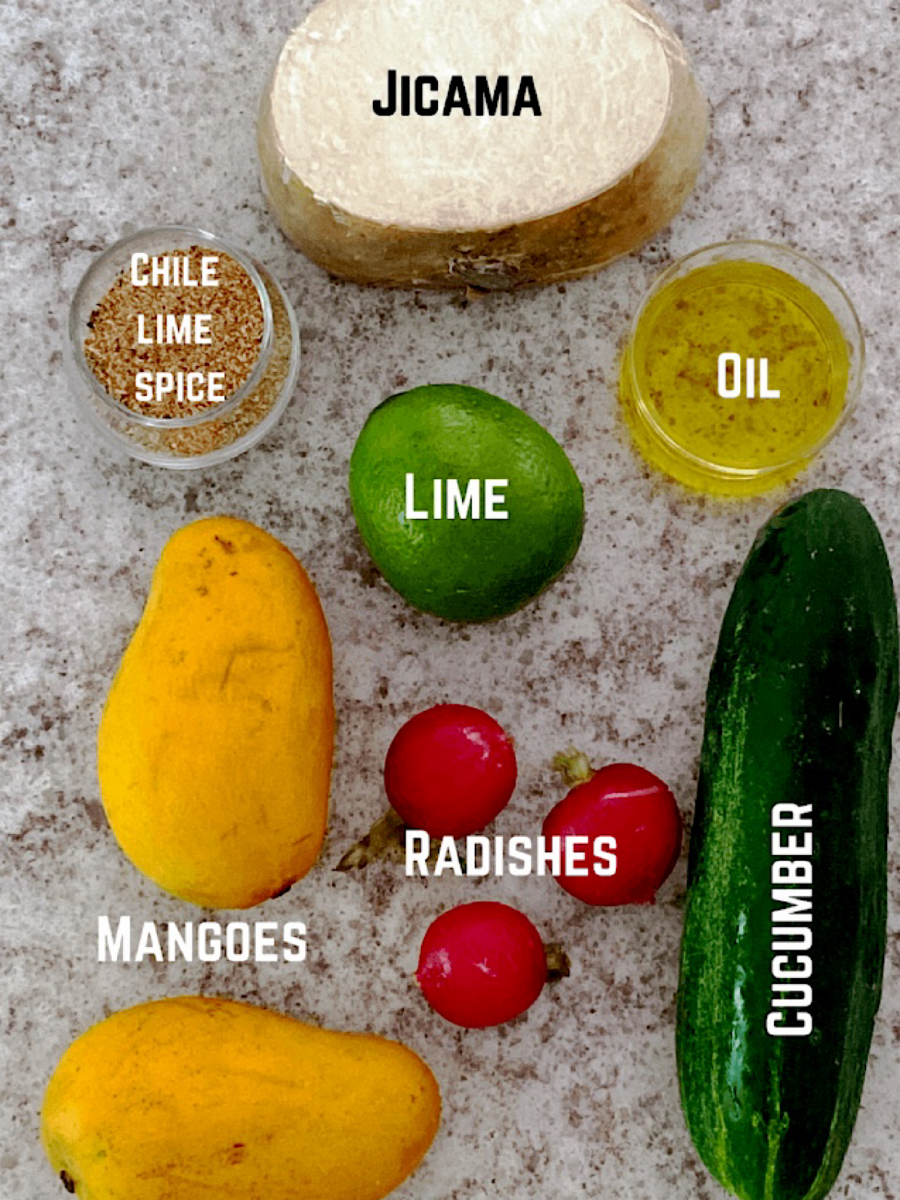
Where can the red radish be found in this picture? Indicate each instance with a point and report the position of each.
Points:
(481, 964)
(625, 803)
(450, 770)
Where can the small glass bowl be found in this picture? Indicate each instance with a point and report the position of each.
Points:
(711, 471)
(216, 434)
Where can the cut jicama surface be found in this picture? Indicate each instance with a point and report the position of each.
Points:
(601, 154)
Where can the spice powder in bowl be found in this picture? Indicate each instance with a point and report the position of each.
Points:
(182, 328)
(185, 354)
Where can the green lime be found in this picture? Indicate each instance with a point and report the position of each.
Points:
(468, 506)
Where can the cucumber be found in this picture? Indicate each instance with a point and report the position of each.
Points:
(800, 710)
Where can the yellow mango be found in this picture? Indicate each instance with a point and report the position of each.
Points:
(216, 739)
(193, 1097)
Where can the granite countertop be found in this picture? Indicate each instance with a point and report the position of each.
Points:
(122, 116)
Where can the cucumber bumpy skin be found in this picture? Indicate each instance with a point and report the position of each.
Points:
(800, 708)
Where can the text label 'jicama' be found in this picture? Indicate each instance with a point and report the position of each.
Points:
(409, 95)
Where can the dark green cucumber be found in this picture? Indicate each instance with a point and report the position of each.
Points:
(800, 710)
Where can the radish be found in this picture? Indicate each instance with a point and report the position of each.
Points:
(637, 815)
(484, 963)
(450, 770)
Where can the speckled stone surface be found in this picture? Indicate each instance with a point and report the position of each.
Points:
(119, 116)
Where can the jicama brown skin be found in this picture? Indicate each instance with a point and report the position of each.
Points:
(484, 201)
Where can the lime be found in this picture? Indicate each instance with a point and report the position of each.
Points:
(468, 507)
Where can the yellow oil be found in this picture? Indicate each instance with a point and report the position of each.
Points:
(670, 377)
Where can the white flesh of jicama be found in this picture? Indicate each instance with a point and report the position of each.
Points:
(600, 72)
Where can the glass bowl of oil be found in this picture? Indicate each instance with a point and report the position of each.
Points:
(743, 361)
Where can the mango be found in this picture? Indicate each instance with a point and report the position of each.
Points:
(192, 1097)
(216, 739)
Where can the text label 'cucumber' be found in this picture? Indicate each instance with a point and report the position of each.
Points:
(791, 922)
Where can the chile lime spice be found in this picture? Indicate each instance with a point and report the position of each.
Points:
(124, 343)
(241, 332)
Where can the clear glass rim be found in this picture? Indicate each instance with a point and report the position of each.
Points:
(734, 250)
(112, 254)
